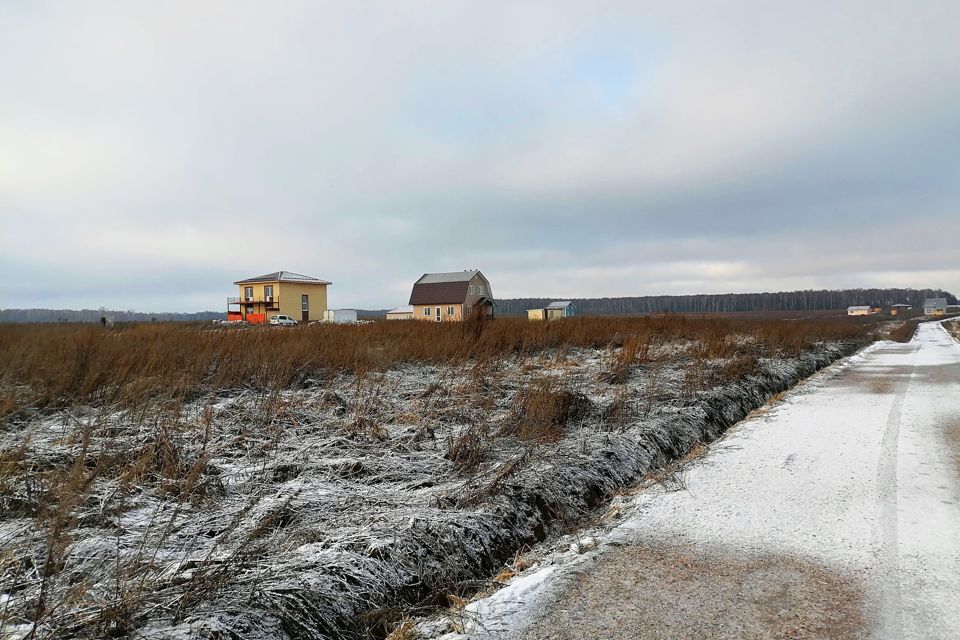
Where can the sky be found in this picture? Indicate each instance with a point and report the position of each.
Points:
(151, 153)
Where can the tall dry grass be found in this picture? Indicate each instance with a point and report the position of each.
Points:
(59, 365)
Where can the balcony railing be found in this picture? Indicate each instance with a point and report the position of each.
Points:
(270, 302)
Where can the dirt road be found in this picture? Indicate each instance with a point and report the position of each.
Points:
(835, 513)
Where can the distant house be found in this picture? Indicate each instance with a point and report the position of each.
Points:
(553, 311)
(560, 309)
(340, 316)
(899, 308)
(935, 307)
(404, 312)
(859, 311)
(301, 297)
(451, 297)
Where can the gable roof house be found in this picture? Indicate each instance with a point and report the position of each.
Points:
(935, 307)
(451, 296)
(303, 298)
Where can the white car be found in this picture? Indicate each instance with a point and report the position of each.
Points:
(283, 321)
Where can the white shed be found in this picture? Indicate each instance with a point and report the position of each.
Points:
(340, 316)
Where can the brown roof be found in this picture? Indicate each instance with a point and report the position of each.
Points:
(439, 292)
(283, 276)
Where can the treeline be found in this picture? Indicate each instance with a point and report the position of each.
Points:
(734, 302)
(94, 315)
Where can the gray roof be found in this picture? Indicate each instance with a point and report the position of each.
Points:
(559, 304)
(283, 276)
(406, 308)
(935, 303)
(451, 276)
(859, 306)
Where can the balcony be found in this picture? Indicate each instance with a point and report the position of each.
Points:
(269, 302)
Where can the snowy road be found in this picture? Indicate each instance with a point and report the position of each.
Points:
(834, 513)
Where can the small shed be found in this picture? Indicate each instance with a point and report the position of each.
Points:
(899, 308)
(859, 310)
(559, 309)
(404, 312)
(553, 311)
(340, 316)
(935, 307)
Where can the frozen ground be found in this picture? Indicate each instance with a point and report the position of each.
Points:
(833, 513)
(338, 506)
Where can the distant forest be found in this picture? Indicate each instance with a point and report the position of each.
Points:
(733, 302)
(93, 315)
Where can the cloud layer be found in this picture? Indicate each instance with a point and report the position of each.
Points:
(152, 153)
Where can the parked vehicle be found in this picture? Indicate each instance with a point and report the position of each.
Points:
(283, 321)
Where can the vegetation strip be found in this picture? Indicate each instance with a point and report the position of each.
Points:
(328, 499)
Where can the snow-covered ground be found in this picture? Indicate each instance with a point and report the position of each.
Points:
(854, 474)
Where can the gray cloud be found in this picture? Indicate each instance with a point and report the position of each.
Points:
(152, 153)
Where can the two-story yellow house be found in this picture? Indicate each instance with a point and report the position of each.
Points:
(303, 298)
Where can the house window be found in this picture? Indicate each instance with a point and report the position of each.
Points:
(426, 311)
(479, 289)
(449, 311)
(268, 292)
(248, 293)
(304, 303)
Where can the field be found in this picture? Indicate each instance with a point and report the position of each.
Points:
(164, 480)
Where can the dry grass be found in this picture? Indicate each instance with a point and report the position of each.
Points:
(905, 331)
(134, 432)
(953, 327)
(541, 413)
(59, 365)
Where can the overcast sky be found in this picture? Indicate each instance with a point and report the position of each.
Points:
(151, 153)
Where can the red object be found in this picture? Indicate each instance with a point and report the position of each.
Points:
(256, 318)
(234, 316)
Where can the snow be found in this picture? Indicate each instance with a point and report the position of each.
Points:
(852, 469)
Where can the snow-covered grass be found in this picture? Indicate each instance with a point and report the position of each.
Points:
(335, 504)
(953, 328)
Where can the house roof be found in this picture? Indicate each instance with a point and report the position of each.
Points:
(283, 276)
(406, 308)
(901, 305)
(450, 276)
(935, 303)
(858, 308)
(443, 288)
(559, 304)
(439, 292)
